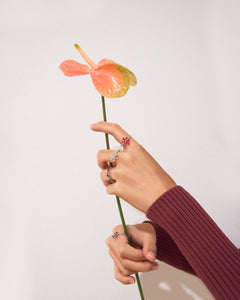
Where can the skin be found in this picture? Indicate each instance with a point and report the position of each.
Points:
(139, 257)
(140, 181)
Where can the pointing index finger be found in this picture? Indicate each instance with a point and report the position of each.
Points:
(111, 128)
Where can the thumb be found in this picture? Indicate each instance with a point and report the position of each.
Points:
(149, 247)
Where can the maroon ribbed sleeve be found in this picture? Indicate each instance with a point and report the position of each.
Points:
(168, 251)
(211, 255)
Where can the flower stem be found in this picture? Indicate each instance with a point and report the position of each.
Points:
(119, 203)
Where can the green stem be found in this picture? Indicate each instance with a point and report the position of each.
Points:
(119, 203)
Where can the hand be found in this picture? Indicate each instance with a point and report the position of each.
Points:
(139, 179)
(139, 257)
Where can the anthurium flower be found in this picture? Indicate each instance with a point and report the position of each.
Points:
(109, 78)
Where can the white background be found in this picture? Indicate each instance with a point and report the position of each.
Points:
(54, 212)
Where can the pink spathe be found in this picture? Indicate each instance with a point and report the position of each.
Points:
(109, 78)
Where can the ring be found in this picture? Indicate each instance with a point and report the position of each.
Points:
(126, 140)
(114, 156)
(110, 179)
(116, 234)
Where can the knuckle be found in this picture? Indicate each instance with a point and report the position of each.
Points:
(100, 158)
(115, 126)
(118, 228)
(116, 276)
(125, 155)
(113, 189)
(109, 190)
(99, 153)
(125, 264)
(121, 251)
(110, 254)
(128, 157)
(102, 175)
(125, 272)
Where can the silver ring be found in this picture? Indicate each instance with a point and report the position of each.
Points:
(114, 156)
(116, 234)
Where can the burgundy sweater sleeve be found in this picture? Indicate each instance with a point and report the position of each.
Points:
(212, 256)
(168, 251)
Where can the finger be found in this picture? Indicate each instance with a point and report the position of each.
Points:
(128, 267)
(106, 177)
(123, 279)
(119, 265)
(111, 128)
(120, 245)
(144, 235)
(104, 157)
(113, 189)
(149, 244)
(125, 251)
(133, 267)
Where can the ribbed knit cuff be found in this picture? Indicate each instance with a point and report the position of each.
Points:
(168, 252)
(210, 253)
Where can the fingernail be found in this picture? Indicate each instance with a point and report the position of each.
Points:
(151, 255)
(131, 280)
(155, 267)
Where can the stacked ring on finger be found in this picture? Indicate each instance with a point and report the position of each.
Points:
(116, 234)
(126, 140)
(110, 179)
(114, 156)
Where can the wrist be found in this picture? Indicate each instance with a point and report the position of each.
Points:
(162, 189)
